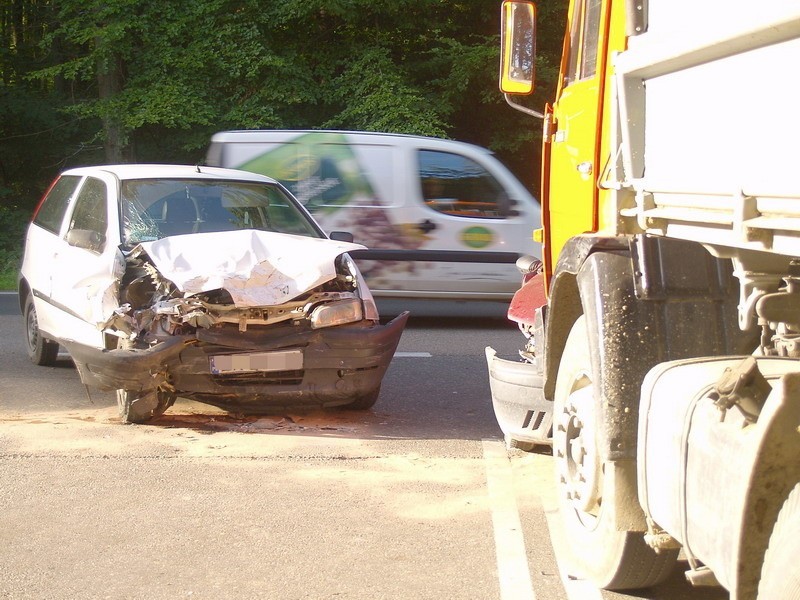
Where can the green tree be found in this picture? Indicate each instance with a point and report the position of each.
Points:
(90, 81)
(93, 81)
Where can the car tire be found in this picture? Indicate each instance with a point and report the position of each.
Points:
(41, 351)
(140, 407)
(601, 549)
(365, 401)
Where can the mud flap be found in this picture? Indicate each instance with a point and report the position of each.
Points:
(518, 400)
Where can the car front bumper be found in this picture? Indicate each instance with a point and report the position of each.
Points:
(339, 364)
(521, 410)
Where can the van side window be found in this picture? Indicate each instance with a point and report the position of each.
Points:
(54, 206)
(456, 185)
(90, 214)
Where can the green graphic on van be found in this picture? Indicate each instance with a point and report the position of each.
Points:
(477, 237)
(321, 171)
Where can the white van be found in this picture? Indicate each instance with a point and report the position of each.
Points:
(441, 219)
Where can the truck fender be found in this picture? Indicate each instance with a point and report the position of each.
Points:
(595, 277)
(645, 298)
(564, 306)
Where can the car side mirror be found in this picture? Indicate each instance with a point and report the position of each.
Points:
(86, 239)
(341, 236)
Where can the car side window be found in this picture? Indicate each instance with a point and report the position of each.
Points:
(54, 206)
(457, 185)
(89, 222)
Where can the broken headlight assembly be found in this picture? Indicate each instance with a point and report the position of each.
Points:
(346, 310)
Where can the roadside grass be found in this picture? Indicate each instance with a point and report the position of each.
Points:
(8, 276)
(13, 222)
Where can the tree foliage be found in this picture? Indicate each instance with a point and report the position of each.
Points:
(93, 81)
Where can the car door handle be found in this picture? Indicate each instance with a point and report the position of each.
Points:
(426, 226)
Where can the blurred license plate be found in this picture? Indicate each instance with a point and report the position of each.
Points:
(287, 360)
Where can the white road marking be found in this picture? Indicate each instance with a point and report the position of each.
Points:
(537, 474)
(512, 561)
(412, 354)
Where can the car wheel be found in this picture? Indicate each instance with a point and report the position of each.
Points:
(365, 401)
(601, 548)
(140, 407)
(41, 351)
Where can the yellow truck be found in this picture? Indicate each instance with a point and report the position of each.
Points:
(662, 327)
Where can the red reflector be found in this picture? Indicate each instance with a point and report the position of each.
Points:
(527, 299)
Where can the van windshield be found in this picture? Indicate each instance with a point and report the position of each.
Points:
(155, 208)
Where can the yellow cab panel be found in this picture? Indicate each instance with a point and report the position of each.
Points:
(576, 144)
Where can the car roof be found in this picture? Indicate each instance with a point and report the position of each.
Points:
(158, 171)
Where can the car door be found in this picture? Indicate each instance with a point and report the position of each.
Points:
(42, 243)
(459, 207)
(571, 153)
(86, 265)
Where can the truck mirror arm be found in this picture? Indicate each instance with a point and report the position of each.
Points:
(525, 109)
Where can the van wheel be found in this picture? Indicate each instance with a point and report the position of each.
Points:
(41, 351)
(140, 407)
(779, 575)
(365, 401)
(599, 551)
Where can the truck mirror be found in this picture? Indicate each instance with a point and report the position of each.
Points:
(518, 51)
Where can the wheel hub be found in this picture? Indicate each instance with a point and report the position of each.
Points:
(579, 469)
(33, 329)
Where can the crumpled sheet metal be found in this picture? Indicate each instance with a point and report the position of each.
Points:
(257, 268)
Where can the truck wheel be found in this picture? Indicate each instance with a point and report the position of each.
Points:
(600, 551)
(41, 351)
(779, 575)
(140, 407)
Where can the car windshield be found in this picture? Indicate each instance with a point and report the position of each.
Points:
(155, 208)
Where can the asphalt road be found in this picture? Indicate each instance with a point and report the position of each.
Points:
(416, 498)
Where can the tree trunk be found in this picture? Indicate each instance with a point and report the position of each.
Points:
(108, 83)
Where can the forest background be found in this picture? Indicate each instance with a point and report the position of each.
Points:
(87, 82)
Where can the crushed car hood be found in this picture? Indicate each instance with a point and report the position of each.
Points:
(257, 268)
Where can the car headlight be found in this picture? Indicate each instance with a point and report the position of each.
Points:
(348, 266)
(337, 313)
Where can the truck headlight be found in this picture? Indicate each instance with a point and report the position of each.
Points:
(337, 313)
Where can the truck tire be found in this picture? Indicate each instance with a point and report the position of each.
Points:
(41, 351)
(600, 549)
(779, 575)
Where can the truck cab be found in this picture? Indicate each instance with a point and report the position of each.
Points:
(660, 331)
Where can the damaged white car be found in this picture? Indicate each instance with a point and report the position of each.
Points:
(211, 284)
